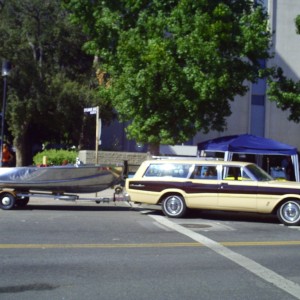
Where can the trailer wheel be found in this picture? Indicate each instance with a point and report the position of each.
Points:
(7, 201)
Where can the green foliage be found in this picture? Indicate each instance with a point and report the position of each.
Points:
(52, 79)
(55, 157)
(174, 65)
(286, 93)
(297, 22)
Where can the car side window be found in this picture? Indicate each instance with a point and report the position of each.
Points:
(204, 172)
(235, 173)
(168, 170)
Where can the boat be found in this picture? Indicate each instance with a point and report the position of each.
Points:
(61, 179)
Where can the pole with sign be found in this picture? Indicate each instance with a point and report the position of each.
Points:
(95, 111)
(97, 135)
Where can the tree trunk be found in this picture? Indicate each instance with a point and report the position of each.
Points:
(19, 157)
(153, 149)
(23, 151)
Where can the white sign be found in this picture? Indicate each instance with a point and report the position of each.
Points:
(90, 110)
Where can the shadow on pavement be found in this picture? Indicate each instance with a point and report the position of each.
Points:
(209, 215)
(214, 215)
(76, 207)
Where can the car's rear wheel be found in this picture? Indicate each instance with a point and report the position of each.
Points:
(174, 206)
(288, 212)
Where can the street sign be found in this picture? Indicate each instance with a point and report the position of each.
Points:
(91, 110)
(95, 111)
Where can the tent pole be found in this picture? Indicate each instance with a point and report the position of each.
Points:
(296, 166)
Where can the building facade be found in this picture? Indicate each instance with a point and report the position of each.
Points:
(254, 113)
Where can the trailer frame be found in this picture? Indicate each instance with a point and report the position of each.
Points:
(10, 198)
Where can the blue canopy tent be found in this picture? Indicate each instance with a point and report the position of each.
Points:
(249, 144)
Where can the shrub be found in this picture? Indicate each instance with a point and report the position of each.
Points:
(56, 157)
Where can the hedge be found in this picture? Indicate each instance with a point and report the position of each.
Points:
(56, 157)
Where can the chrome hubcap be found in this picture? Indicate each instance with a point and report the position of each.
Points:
(174, 205)
(291, 212)
(6, 201)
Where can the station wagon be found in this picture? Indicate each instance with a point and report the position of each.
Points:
(182, 184)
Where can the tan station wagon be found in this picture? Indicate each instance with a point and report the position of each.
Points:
(179, 185)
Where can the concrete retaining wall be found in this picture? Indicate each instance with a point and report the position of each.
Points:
(134, 159)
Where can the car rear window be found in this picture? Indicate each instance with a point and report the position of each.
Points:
(168, 170)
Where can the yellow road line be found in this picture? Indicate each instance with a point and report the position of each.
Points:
(248, 264)
(264, 243)
(144, 245)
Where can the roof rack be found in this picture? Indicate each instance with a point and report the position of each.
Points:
(187, 157)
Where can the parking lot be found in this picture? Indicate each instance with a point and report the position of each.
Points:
(66, 250)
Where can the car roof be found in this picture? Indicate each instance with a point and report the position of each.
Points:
(197, 161)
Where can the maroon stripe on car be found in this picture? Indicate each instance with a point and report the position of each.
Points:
(190, 187)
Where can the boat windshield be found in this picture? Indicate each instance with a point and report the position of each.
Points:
(259, 173)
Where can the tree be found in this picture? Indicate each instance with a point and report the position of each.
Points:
(52, 79)
(285, 91)
(174, 66)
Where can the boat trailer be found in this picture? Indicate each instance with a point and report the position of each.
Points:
(10, 199)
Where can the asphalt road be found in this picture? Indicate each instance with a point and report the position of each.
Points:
(61, 250)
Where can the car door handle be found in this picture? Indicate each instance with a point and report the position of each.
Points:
(223, 185)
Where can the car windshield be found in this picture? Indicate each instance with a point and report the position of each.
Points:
(259, 173)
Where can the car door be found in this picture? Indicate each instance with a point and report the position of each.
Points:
(237, 190)
(203, 187)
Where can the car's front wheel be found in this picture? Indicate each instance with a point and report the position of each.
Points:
(174, 206)
(288, 212)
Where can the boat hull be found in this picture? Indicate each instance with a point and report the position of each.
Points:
(61, 179)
